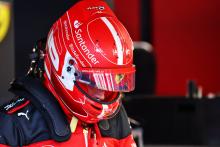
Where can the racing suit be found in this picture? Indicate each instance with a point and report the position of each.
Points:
(34, 118)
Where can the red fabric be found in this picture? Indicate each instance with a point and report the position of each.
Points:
(78, 139)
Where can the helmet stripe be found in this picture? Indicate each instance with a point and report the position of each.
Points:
(103, 81)
(53, 51)
(97, 80)
(108, 81)
(47, 71)
(112, 83)
(116, 38)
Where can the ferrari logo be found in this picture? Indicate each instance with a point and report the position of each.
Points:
(119, 78)
(4, 19)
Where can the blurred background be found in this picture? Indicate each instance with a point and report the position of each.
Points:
(177, 49)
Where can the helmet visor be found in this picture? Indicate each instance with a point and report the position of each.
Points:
(120, 80)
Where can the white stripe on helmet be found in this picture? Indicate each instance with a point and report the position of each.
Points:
(116, 38)
(53, 51)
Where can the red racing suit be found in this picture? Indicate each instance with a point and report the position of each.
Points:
(35, 119)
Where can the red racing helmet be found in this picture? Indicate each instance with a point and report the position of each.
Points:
(88, 48)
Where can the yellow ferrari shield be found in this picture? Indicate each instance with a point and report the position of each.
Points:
(119, 78)
(4, 19)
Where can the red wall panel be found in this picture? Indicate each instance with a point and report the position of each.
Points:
(128, 11)
(186, 37)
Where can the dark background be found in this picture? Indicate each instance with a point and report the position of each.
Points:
(33, 20)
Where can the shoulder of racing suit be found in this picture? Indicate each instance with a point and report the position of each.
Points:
(21, 123)
(33, 116)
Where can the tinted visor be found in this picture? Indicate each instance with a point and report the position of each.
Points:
(122, 79)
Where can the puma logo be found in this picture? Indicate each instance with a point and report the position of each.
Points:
(24, 114)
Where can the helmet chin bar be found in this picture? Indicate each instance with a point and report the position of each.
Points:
(118, 98)
(94, 98)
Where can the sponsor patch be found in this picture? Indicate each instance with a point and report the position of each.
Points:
(14, 105)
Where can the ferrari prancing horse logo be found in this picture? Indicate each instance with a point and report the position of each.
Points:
(4, 19)
(119, 78)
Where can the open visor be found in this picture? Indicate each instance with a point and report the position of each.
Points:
(122, 79)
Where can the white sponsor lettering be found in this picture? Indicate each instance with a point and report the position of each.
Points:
(13, 104)
(84, 48)
(76, 55)
(66, 30)
(100, 8)
(75, 41)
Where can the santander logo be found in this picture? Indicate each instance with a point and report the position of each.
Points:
(77, 24)
(82, 43)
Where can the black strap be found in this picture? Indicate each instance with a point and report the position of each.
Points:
(47, 105)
